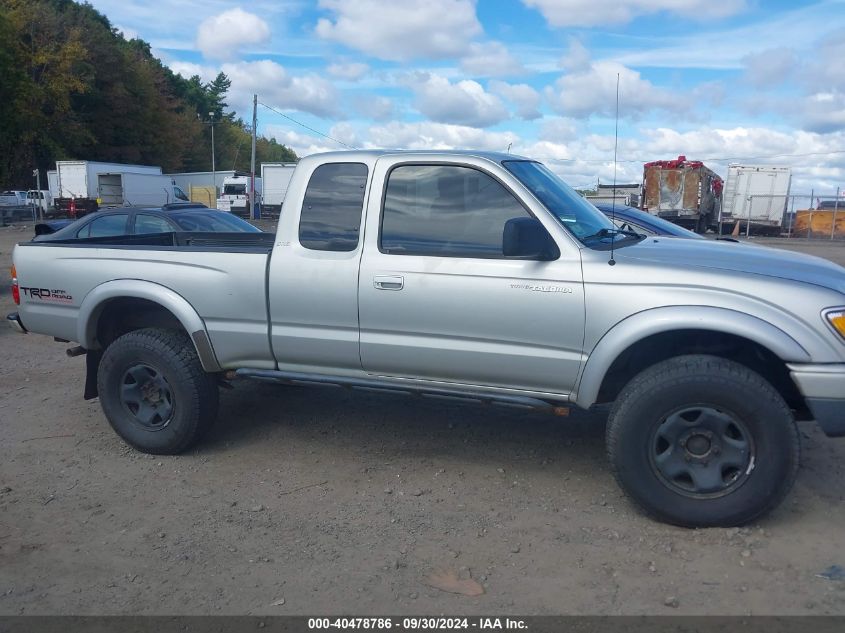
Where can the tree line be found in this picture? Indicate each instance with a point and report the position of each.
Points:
(74, 88)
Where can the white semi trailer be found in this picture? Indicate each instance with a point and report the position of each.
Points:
(78, 183)
(137, 190)
(755, 197)
(276, 177)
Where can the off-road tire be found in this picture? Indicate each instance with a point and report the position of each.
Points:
(654, 398)
(192, 394)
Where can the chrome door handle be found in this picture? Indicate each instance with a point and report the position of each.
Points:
(384, 282)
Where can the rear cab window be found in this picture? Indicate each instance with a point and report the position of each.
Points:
(330, 219)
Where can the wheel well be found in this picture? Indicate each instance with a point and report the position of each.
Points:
(126, 314)
(659, 347)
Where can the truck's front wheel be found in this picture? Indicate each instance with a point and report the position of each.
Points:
(154, 391)
(702, 441)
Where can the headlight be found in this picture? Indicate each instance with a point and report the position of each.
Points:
(837, 319)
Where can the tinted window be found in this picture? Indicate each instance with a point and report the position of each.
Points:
(145, 223)
(331, 211)
(105, 226)
(217, 221)
(445, 210)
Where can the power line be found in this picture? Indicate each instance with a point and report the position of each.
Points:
(289, 118)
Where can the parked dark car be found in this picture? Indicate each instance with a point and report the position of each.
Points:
(639, 221)
(174, 218)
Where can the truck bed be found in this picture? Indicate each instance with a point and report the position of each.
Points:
(221, 275)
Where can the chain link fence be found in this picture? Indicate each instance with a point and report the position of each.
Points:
(808, 216)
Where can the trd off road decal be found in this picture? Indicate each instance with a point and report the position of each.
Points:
(45, 294)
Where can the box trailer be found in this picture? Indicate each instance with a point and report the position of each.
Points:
(77, 183)
(53, 183)
(137, 190)
(276, 177)
(757, 195)
(682, 191)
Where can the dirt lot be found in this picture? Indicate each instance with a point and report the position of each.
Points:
(318, 501)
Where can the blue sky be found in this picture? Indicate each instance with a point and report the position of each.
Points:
(727, 81)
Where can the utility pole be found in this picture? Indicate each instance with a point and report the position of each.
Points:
(256, 210)
(213, 165)
(39, 196)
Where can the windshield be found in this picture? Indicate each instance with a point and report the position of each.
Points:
(218, 221)
(642, 222)
(580, 217)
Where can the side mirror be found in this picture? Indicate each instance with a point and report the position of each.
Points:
(527, 238)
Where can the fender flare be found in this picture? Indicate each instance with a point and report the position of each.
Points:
(96, 300)
(659, 320)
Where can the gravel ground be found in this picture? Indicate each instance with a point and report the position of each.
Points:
(306, 501)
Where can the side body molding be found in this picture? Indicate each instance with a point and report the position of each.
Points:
(96, 300)
(658, 320)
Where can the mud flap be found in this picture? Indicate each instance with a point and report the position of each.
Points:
(92, 366)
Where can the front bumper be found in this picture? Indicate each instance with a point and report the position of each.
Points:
(14, 322)
(823, 388)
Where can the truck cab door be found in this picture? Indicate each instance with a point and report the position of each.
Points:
(313, 276)
(440, 301)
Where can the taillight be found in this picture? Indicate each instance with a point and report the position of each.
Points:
(16, 291)
(72, 208)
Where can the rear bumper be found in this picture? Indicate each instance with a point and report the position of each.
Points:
(823, 388)
(14, 322)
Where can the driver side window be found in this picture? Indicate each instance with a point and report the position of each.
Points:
(446, 211)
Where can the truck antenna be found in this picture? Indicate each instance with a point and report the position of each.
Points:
(612, 261)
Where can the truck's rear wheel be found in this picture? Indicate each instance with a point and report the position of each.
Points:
(702, 441)
(154, 391)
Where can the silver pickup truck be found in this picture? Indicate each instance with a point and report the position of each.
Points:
(474, 276)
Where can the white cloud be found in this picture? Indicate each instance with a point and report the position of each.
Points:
(576, 59)
(770, 67)
(127, 33)
(593, 92)
(375, 107)
(280, 89)
(490, 59)
(302, 144)
(564, 13)
(523, 96)
(396, 135)
(726, 48)
(429, 135)
(558, 129)
(823, 112)
(222, 36)
(351, 71)
(399, 31)
(462, 103)
(189, 69)
(584, 158)
(824, 72)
